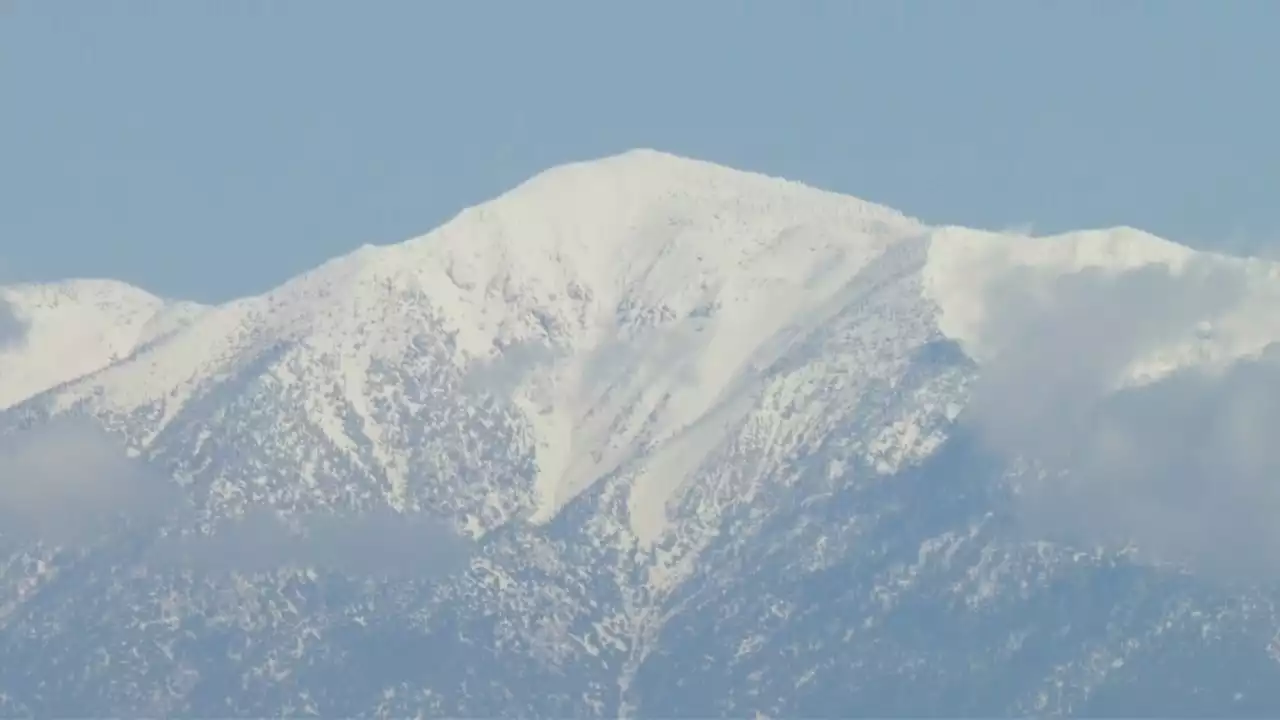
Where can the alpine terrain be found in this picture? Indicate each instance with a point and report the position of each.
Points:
(646, 436)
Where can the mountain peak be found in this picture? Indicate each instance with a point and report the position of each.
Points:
(701, 419)
(642, 227)
(638, 162)
(649, 172)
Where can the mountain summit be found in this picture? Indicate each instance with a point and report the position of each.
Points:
(631, 432)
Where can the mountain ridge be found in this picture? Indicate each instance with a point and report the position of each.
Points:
(686, 421)
(717, 265)
(447, 261)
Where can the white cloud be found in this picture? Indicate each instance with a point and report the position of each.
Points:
(1187, 468)
(67, 482)
(64, 481)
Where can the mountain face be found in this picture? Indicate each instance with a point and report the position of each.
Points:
(650, 437)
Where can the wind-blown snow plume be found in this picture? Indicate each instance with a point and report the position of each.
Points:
(1185, 468)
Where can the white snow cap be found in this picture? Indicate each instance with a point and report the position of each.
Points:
(651, 292)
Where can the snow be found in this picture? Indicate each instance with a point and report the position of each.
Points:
(691, 270)
(641, 301)
(77, 327)
(716, 365)
(965, 264)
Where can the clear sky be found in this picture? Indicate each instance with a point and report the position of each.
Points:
(212, 148)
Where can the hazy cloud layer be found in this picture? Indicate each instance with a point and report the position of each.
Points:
(504, 373)
(65, 481)
(381, 544)
(1186, 469)
(1060, 343)
(68, 482)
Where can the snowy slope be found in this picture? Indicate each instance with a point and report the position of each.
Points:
(651, 293)
(691, 419)
(78, 327)
(964, 264)
(714, 272)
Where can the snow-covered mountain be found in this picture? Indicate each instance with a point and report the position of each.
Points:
(643, 436)
(74, 328)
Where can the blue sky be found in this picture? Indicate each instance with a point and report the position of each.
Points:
(207, 149)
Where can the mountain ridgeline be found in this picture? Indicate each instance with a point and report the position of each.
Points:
(646, 436)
